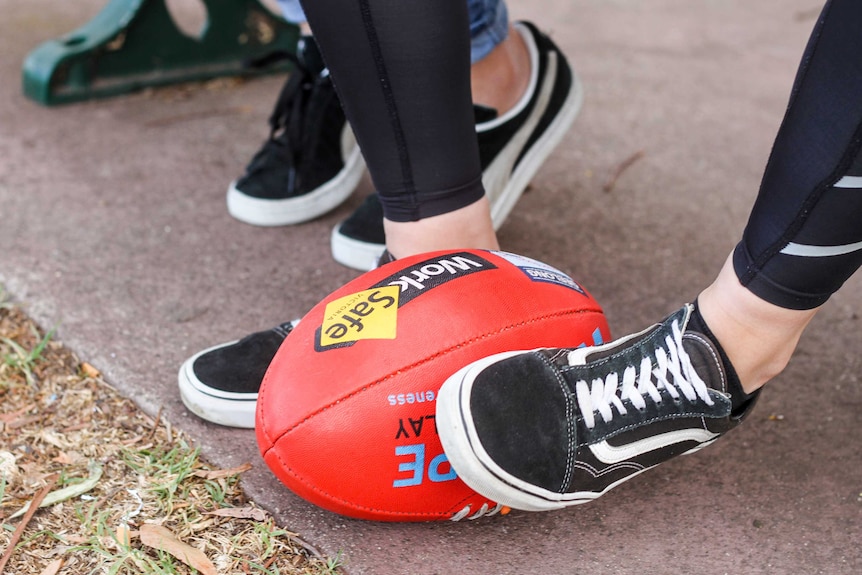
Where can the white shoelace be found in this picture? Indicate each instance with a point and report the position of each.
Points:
(484, 511)
(603, 395)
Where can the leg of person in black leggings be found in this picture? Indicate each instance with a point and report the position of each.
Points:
(402, 69)
(546, 429)
(802, 240)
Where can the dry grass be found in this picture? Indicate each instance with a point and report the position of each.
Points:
(135, 497)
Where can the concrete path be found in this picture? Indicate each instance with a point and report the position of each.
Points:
(113, 227)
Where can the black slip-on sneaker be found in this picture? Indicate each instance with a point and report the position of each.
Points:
(220, 384)
(512, 148)
(310, 163)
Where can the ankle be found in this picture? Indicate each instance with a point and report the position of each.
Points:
(758, 337)
(467, 227)
(501, 78)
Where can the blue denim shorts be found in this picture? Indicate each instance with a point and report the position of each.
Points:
(489, 23)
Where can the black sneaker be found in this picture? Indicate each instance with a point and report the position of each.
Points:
(512, 148)
(220, 384)
(358, 241)
(546, 429)
(311, 163)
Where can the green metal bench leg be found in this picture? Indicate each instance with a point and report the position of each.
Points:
(133, 44)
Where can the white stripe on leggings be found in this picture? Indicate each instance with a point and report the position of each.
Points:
(802, 250)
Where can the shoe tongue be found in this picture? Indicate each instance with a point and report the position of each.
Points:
(705, 360)
(309, 56)
(740, 400)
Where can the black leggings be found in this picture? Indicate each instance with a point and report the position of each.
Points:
(402, 70)
(803, 238)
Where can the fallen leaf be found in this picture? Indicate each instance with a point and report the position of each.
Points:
(51, 437)
(13, 415)
(53, 567)
(8, 468)
(24, 421)
(222, 473)
(241, 513)
(95, 471)
(76, 427)
(90, 371)
(123, 534)
(162, 538)
(65, 458)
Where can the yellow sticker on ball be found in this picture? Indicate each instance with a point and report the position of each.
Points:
(369, 314)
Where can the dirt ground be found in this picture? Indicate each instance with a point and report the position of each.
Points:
(123, 492)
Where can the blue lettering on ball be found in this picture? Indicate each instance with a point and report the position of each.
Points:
(437, 472)
(416, 466)
(434, 470)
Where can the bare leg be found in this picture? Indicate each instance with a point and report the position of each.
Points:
(500, 79)
(758, 337)
(468, 227)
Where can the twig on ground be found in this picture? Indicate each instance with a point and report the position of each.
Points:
(34, 505)
(624, 165)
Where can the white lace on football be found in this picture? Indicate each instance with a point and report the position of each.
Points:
(484, 511)
(643, 382)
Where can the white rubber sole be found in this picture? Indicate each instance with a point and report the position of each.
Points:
(362, 256)
(505, 182)
(473, 464)
(220, 407)
(290, 211)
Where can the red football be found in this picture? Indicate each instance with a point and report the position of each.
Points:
(345, 415)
